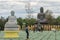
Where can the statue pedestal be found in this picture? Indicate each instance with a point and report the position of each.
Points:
(11, 34)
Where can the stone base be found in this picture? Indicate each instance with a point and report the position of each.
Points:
(11, 29)
(11, 34)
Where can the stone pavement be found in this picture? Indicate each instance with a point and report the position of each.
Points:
(45, 35)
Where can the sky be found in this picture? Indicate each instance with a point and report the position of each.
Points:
(20, 6)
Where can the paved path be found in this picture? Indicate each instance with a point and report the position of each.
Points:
(45, 35)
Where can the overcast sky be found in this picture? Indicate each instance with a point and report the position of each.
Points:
(19, 6)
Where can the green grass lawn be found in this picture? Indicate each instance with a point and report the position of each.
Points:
(45, 35)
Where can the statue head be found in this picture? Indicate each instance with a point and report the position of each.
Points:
(12, 13)
(41, 10)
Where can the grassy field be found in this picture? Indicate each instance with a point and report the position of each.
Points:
(45, 35)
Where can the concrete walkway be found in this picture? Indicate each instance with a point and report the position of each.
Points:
(45, 35)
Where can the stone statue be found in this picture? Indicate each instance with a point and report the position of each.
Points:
(12, 13)
(41, 16)
(41, 10)
(11, 25)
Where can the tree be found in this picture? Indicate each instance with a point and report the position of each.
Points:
(32, 21)
(2, 24)
(58, 20)
(49, 17)
(29, 21)
(20, 22)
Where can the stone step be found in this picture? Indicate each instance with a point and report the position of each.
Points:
(11, 29)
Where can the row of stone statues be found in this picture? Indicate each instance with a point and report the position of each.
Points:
(12, 21)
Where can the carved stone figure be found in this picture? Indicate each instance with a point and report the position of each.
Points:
(11, 25)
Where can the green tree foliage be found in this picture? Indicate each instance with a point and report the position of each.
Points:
(58, 20)
(2, 23)
(49, 17)
(20, 22)
(26, 21)
(30, 21)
